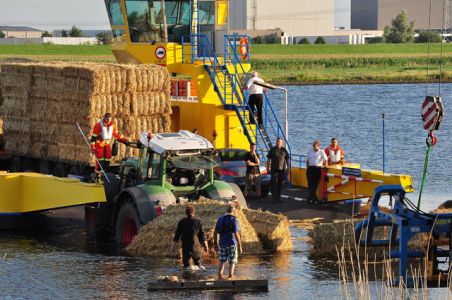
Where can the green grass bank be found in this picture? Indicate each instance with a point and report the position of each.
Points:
(299, 64)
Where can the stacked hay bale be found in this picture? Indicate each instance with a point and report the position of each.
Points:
(154, 239)
(43, 102)
(272, 229)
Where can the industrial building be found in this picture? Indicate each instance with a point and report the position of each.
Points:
(293, 17)
(376, 14)
(20, 32)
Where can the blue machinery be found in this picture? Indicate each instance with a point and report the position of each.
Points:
(404, 222)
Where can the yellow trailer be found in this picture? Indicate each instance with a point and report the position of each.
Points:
(33, 192)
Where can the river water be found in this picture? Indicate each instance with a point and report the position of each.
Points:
(49, 266)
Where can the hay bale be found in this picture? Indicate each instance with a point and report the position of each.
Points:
(272, 229)
(154, 239)
(42, 102)
(327, 237)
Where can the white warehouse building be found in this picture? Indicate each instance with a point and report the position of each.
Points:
(293, 17)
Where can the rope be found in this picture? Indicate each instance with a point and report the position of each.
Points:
(441, 52)
(428, 47)
(424, 175)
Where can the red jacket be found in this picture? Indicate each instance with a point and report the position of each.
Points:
(335, 156)
(103, 134)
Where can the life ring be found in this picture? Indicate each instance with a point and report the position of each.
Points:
(243, 47)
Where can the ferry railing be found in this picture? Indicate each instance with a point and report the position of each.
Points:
(214, 68)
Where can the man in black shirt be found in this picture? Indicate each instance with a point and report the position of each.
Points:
(253, 175)
(278, 166)
(188, 230)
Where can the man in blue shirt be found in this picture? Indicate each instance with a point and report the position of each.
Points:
(228, 228)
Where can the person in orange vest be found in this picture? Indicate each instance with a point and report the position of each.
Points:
(335, 153)
(103, 134)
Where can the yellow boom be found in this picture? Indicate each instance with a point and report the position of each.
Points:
(27, 192)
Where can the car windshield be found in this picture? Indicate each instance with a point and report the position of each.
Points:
(230, 155)
(193, 162)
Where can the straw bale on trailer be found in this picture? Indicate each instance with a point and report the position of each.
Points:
(272, 229)
(154, 239)
(43, 101)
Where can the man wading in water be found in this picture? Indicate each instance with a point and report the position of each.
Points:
(228, 228)
(188, 230)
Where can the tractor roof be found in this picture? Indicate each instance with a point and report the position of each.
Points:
(175, 141)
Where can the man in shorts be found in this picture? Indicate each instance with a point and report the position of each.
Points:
(230, 245)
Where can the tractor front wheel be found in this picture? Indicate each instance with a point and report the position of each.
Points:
(127, 224)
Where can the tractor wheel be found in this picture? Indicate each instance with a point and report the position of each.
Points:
(239, 195)
(127, 224)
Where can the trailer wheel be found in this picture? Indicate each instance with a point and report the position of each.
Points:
(239, 195)
(16, 165)
(127, 224)
(60, 170)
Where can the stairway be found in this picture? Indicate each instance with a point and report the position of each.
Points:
(225, 76)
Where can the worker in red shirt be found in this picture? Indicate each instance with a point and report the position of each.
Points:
(334, 153)
(103, 134)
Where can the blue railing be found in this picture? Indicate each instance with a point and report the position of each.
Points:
(229, 88)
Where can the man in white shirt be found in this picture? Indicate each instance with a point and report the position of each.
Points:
(316, 159)
(256, 96)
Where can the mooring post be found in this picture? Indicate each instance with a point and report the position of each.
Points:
(383, 125)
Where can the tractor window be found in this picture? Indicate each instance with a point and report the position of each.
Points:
(114, 12)
(154, 166)
(144, 161)
(195, 162)
(145, 19)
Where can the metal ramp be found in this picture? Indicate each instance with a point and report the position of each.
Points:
(33, 192)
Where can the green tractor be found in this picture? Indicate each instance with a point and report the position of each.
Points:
(172, 168)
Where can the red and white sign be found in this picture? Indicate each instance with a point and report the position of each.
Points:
(160, 52)
(431, 112)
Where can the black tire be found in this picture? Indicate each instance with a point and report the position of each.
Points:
(74, 170)
(127, 224)
(239, 195)
(44, 166)
(60, 170)
(16, 165)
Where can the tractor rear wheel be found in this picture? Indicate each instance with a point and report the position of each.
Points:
(127, 224)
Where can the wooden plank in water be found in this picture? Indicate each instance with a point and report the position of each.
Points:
(230, 285)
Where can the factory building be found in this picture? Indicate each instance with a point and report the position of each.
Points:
(376, 14)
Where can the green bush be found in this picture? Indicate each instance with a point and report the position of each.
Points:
(426, 36)
(320, 41)
(2, 34)
(304, 41)
(375, 40)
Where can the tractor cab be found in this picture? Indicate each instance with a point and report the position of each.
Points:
(181, 162)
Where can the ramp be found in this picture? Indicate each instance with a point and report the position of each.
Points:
(228, 285)
(29, 192)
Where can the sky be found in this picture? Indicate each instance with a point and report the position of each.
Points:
(89, 14)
